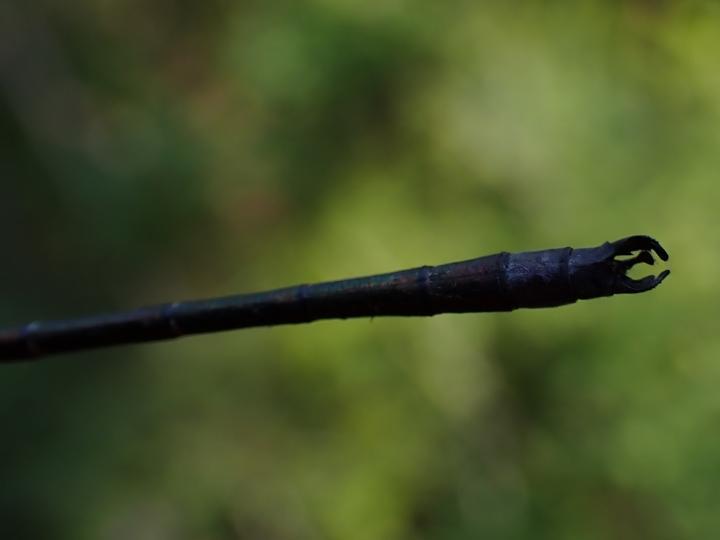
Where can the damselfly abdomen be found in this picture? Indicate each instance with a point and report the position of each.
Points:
(501, 282)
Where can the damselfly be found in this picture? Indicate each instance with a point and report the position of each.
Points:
(500, 282)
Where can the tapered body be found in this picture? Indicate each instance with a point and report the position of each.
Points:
(500, 282)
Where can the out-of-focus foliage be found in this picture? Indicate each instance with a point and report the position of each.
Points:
(162, 150)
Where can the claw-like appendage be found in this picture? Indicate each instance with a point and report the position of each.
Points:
(598, 271)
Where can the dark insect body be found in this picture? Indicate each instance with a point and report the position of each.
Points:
(500, 282)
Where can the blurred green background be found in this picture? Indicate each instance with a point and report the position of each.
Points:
(169, 149)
